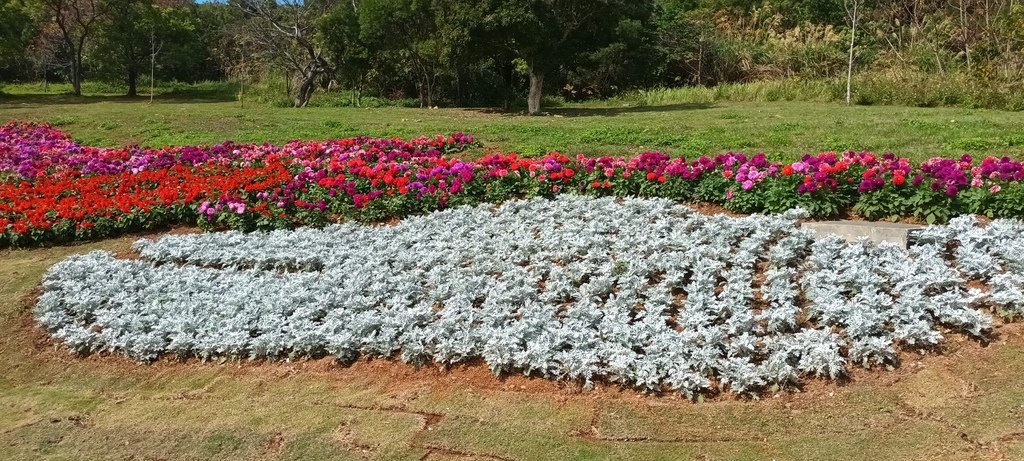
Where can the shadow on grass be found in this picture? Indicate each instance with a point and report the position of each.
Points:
(598, 111)
(613, 111)
(40, 100)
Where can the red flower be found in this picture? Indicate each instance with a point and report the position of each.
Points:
(727, 174)
(787, 170)
(20, 227)
(652, 176)
(899, 179)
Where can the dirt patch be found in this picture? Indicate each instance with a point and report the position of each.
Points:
(274, 446)
(712, 209)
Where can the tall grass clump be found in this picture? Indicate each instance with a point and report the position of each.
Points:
(764, 91)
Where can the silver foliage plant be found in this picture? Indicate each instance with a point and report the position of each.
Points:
(646, 293)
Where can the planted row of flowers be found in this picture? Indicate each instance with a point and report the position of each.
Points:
(646, 293)
(59, 190)
(53, 190)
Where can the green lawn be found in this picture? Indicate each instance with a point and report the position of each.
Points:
(967, 404)
(783, 129)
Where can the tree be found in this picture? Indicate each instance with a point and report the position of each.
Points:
(123, 38)
(628, 58)
(285, 31)
(76, 20)
(547, 33)
(16, 31)
(346, 47)
(45, 54)
(418, 51)
(196, 39)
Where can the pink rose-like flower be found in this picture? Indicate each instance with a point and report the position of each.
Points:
(995, 189)
(729, 195)
(747, 185)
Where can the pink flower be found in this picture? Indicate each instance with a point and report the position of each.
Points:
(995, 189)
(728, 194)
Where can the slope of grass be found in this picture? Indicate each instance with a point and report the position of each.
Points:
(782, 129)
(967, 404)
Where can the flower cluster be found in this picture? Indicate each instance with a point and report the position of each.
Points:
(645, 293)
(35, 151)
(372, 179)
(62, 210)
(59, 191)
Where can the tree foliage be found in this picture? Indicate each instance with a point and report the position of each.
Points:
(507, 52)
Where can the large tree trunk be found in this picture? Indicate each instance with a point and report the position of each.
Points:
(133, 80)
(430, 92)
(76, 81)
(76, 74)
(536, 91)
(305, 90)
(507, 90)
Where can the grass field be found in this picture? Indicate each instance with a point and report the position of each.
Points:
(782, 129)
(967, 404)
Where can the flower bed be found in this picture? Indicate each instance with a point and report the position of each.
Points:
(642, 292)
(59, 191)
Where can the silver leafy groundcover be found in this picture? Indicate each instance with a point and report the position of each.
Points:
(642, 292)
